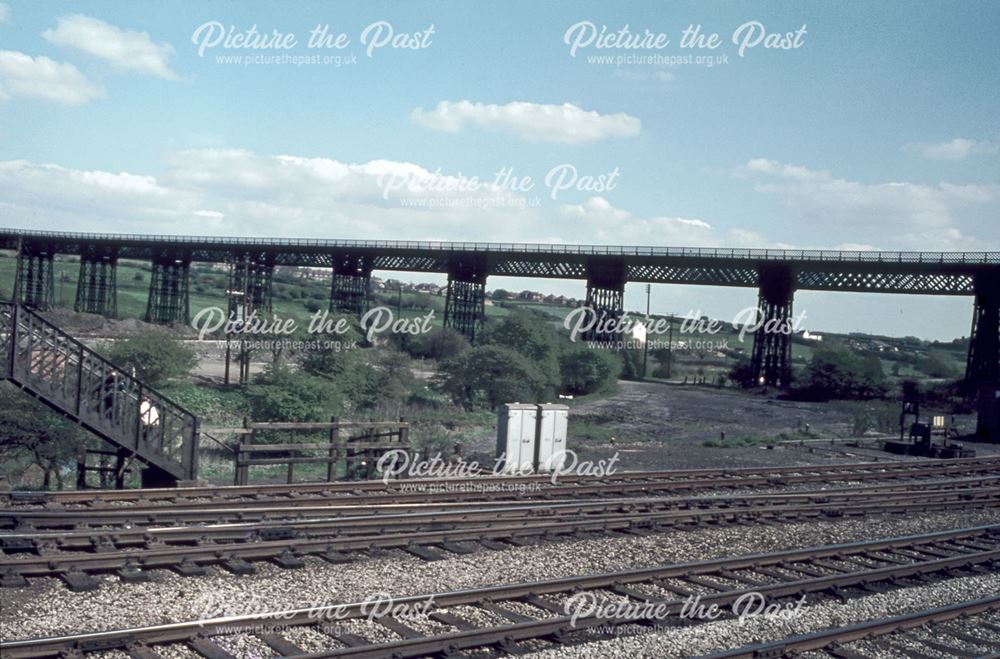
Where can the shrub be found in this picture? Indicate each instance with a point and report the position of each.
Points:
(586, 371)
(837, 373)
(491, 375)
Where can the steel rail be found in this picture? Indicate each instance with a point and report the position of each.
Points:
(625, 481)
(160, 556)
(937, 552)
(237, 513)
(335, 518)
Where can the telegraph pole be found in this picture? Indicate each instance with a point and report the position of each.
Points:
(670, 344)
(645, 342)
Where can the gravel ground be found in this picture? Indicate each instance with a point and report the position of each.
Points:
(660, 426)
(725, 634)
(47, 607)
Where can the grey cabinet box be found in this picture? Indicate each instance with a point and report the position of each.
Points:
(550, 440)
(516, 429)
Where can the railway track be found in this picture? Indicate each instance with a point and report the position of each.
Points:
(894, 636)
(501, 488)
(131, 554)
(560, 611)
(80, 520)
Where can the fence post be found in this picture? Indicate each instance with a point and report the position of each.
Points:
(331, 467)
(242, 471)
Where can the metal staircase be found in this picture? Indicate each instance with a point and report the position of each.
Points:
(75, 381)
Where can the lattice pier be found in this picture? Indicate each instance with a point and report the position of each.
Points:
(35, 281)
(168, 290)
(982, 372)
(351, 282)
(771, 362)
(250, 285)
(465, 303)
(249, 292)
(605, 298)
(97, 285)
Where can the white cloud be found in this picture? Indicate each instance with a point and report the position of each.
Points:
(4, 12)
(563, 124)
(957, 149)
(608, 224)
(239, 192)
(126, 50)
(920, 215)
(24, 76)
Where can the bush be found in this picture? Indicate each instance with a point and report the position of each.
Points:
(837, 373)
(441, 343)
(940, 365)
(632, 365)
(742, 374)
(881, 417)
(532, 338)
(283, 394)
(491, 375)
(586, 371)
(156, 357)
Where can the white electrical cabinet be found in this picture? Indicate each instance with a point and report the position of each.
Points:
(516, 428)
(550, 442)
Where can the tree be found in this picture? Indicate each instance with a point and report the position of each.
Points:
(491, 375)
(387, 384)
(586, 371)
(530, 338)
(440, 343)
(939, 365)
(156, 356)
(33, 433)
(837, 373)
(632, 365)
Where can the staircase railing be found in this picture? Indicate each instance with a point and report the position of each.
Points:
(101, 396)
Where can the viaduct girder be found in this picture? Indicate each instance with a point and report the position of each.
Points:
(775, 274)
(921, 273)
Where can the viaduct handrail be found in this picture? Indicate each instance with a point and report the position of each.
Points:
(846, 256)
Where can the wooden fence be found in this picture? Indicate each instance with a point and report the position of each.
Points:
(358, 445)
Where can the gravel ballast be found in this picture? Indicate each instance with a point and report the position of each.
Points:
(48, 608)
(711, 637)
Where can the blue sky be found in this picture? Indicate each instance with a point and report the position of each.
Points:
(878, 131)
